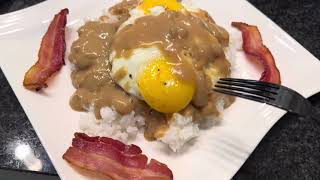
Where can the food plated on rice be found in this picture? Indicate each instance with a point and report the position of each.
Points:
(144, 67)
(155, 63)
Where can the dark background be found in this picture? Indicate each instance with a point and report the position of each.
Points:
(291, 149)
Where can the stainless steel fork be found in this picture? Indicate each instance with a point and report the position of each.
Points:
(272, 94)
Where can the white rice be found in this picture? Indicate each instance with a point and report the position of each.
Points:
(182, 129)
(112, 124)
(235, 45)
(125, 128)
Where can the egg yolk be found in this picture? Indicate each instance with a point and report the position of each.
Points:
(161, 89)
(168, 4)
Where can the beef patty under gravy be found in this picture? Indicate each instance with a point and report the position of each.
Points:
(192, 40)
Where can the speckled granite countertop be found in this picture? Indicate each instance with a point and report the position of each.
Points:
(291, 150)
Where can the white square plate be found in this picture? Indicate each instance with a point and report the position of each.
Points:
(218, 153)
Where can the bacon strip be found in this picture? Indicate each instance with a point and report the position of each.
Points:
(113, 158)
(50, 55)
(253, 45)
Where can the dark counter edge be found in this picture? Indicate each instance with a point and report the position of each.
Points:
(267, 7)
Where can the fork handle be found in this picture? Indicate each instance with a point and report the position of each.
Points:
(316, 114)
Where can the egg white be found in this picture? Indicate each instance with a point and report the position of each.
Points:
(133, 66)
(138, 13)
(155, 11)
(141, 56)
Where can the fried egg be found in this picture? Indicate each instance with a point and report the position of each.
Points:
(150, 76)
(156, 7)
(147, 74)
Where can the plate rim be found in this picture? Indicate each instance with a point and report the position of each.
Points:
(44, 3)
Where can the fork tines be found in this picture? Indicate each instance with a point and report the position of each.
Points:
(249, 89)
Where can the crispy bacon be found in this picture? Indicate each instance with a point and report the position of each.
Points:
(253, 45)
(114, 159)
(50, 55)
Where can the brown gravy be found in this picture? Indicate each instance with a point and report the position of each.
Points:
(191, 40)
(91, 76)
(121, 10)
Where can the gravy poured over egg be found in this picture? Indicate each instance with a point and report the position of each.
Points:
(156, 66)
